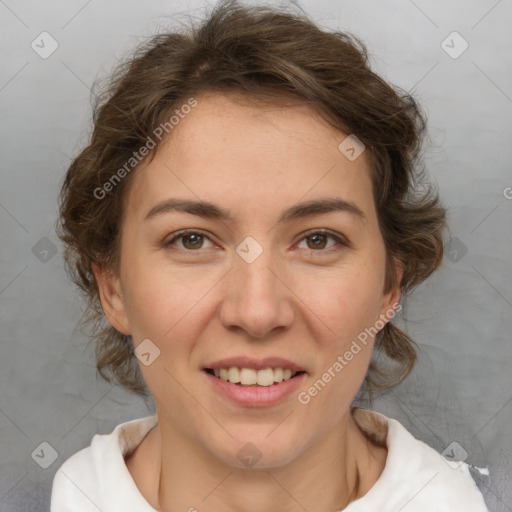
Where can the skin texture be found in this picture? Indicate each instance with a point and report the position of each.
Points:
(200, 303)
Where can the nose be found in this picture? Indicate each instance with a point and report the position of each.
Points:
(256, 298)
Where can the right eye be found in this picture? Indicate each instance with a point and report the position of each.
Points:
(191, 240)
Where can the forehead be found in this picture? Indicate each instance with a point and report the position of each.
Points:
(252, 157)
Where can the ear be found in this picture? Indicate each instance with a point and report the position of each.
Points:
(112, 299)
(391, 300)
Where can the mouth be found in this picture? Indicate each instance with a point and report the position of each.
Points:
(264, 386)
(249, 377)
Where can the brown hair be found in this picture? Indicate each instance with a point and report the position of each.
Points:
(261, 52)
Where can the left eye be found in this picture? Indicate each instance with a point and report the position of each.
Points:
(194, 240)
(319, 240)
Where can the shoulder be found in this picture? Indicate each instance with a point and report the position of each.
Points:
(416, 477)
(76, 484)
(96, 477)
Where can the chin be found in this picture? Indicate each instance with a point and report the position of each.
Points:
(261, 450)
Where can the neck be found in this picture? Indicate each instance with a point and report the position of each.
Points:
(333, 471)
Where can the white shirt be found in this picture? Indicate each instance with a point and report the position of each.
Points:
(416, 478)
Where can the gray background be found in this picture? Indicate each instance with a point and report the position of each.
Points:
(461, 391)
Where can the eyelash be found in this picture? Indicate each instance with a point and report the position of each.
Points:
(308, 234)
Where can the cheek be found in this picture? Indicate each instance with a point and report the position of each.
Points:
(330, 393)
(147, 296)
(346, 302)
(163, 302)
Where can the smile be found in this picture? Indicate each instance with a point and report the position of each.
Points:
(251, 393)
(252, 377)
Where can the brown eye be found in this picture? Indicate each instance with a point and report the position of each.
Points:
(193, 241)
(190, 241)
(317, 241)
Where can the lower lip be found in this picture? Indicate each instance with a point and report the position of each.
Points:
(255, 396)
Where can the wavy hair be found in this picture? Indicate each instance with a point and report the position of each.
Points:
(276, 54)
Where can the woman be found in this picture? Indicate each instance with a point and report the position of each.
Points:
(246, 217)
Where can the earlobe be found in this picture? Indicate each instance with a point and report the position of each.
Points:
(392, 299)
(112, 299)
(399, 272)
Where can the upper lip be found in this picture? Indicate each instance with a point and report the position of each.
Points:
(256, 364)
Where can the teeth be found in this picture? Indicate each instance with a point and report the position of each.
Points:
(234, 375)
(250, 377)
(265, 377)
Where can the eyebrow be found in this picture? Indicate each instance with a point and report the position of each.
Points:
(209, 210)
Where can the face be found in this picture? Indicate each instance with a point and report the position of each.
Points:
(266, 281)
